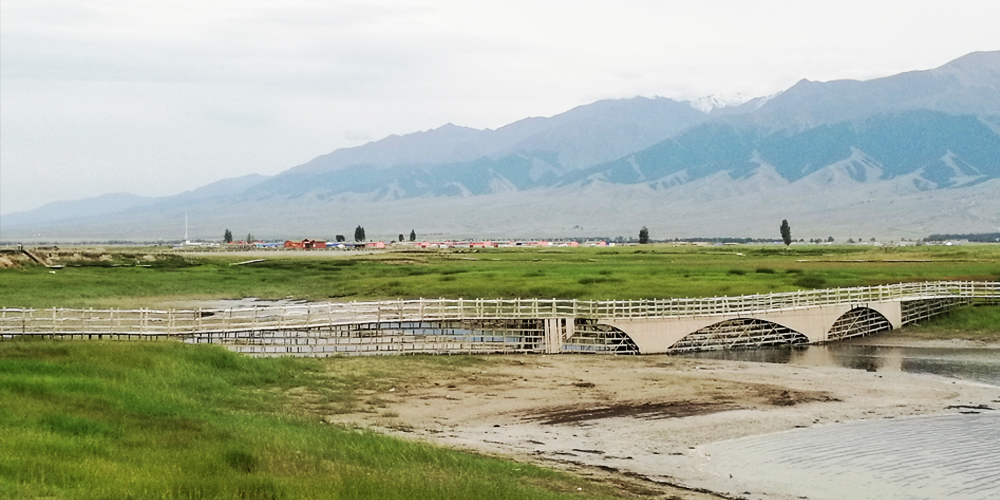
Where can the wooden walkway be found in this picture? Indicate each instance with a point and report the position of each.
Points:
(504, 325)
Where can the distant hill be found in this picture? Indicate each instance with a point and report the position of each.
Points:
(94, 209)
(969, 85)
(580, 137)
(98, 206)
(906, 155)
(937, 150)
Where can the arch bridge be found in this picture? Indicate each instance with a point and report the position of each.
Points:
(447, 326)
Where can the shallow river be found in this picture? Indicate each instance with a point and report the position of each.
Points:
(943, 456)
(979, 364)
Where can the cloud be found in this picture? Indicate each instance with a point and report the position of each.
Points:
(188, 92)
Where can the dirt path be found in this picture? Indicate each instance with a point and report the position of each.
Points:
(641, 421)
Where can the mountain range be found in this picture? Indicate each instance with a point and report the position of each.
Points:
(902, 156)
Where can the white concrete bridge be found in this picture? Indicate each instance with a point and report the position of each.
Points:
(519, 325)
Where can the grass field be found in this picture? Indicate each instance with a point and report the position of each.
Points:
(656, 271)
(94, 420)
(151, 420)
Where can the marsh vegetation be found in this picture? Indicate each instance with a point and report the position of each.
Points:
(656, 271)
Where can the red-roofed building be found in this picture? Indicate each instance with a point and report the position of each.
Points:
(306, 244)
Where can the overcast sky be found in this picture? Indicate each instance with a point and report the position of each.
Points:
(155, 98)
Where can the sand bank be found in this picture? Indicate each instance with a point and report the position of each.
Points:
(642, 421)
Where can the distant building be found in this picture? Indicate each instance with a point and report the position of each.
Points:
(306, 244)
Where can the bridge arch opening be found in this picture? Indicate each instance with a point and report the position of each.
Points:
(591, 337)
(858, 322)
(740, 333)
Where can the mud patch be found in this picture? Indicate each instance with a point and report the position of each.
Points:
(647, 411)
(777, 396)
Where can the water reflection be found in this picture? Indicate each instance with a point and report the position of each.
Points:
(979, 364)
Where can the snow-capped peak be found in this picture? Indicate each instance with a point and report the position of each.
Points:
(710, 102)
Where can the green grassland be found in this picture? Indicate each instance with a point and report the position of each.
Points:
(649, 271)
(97, 420)
(166, 420)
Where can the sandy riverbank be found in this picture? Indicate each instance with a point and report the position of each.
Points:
(642, 421)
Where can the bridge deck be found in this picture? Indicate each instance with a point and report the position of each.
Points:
(493, 317)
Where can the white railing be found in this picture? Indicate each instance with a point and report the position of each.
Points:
(149, 322)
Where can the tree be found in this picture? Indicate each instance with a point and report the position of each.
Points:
(359, 234)
(413, 235)
(786, 233)
(401, 237)
(643, 235)
(340, 238)
(249, 238)
(228, 236)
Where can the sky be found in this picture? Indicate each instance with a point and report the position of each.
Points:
(155, 98)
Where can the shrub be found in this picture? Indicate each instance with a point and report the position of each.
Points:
(590, 280)
(810, 282)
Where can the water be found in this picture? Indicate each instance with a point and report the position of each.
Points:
(943, 456)
(970, 363)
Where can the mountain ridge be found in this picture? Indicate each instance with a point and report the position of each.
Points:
(906, 135)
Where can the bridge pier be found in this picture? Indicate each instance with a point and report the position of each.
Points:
(556, 331)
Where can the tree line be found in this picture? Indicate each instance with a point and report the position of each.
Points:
(785, 229)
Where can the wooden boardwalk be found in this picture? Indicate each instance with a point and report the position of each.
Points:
(481, 325)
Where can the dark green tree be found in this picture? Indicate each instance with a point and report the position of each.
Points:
(359, 234)
(401, 237)
(643, 235)
(228, 236)
(413, 235)
(786, 233)
(249, 238)
(340, 238)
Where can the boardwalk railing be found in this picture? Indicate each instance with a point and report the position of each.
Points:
(149, 322)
